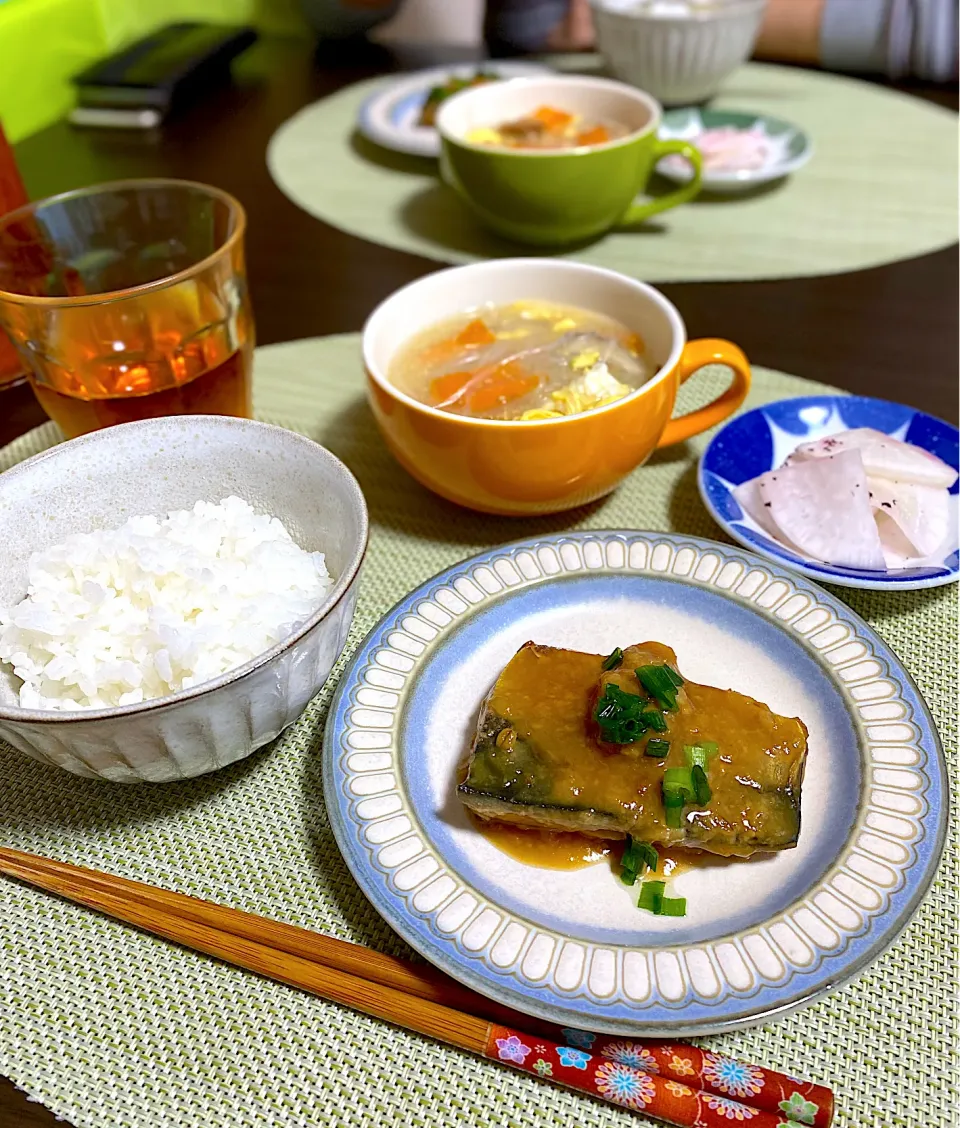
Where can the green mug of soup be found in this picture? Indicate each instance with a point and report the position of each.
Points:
(554, 159)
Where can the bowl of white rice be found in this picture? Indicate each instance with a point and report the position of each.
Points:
(174, 593)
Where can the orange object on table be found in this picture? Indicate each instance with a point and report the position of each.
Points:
(129, 301)
(12, 195)
(596, 136)
(551, 118)
(484, 388)
(475, 333)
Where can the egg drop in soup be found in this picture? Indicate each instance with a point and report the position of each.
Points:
(522, 361)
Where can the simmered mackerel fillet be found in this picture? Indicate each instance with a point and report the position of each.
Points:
(537, 759)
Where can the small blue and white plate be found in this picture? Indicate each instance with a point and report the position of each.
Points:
(391, 115)
(787, 147)
(761, 937)
(759, 440)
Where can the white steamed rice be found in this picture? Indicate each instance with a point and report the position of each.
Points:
(126, 615)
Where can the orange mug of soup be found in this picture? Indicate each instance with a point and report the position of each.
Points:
(524, 386)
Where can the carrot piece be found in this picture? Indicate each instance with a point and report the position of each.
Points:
(476, 333)
(505, 383)
(634, 342)
(449, 386)
(439, 352)
(551, 118)
(595, 136)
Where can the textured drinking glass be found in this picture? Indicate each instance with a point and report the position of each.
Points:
(12, 195)
(129, 300)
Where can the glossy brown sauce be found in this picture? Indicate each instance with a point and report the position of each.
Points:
(548, 695)
(549, 849)
(569, 850)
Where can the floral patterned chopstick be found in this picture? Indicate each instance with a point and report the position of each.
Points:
(636, 1086)
(725, 1078)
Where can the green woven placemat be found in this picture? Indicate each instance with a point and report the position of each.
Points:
(881, 186)
(111, 1028)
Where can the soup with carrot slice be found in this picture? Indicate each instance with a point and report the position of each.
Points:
(548, 128)
(522, 361)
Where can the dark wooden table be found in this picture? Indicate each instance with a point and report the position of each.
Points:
(889, 332)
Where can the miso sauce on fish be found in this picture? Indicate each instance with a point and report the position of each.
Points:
(539, 760)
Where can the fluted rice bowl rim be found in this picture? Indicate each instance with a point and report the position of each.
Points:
(722, 10)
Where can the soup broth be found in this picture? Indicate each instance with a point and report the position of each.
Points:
(548, 128)
(523, 361)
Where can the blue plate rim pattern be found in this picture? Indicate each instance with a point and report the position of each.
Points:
(688, 1015)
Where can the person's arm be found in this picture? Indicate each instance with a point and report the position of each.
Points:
(790, 31)
(892, 37)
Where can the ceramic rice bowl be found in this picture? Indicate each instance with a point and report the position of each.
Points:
(100, 480)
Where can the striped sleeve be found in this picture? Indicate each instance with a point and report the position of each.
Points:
(893, 37)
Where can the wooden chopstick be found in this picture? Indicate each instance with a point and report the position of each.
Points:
(444, 1023)
(79, 883)
(416, 998)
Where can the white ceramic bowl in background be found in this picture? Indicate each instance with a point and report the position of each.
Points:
(100, 480)
(677, 58)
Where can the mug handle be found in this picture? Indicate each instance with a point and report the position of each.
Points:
(637, 212)
(697, 355)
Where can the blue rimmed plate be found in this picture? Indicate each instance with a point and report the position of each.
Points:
(761, 937)
(759, 440)
(391, 115)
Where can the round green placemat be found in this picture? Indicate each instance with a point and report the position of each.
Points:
(111, 1028)
(881, 186)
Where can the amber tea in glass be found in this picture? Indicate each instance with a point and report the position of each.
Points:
(129, 300)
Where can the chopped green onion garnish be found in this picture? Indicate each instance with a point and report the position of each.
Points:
(652, 719)
(677, 789)
(638, 854)
(673, 816)
(674, 676)
(637, 857)
(630, 729)
(625, 717)
(632, 860)
(652, 899)
(614, 659)
(659, 683)
(699, 754)
(657, 747)
(651, 896)
(701, 788)
(678, 779)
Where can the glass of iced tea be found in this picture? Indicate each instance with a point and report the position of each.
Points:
(129, 300)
